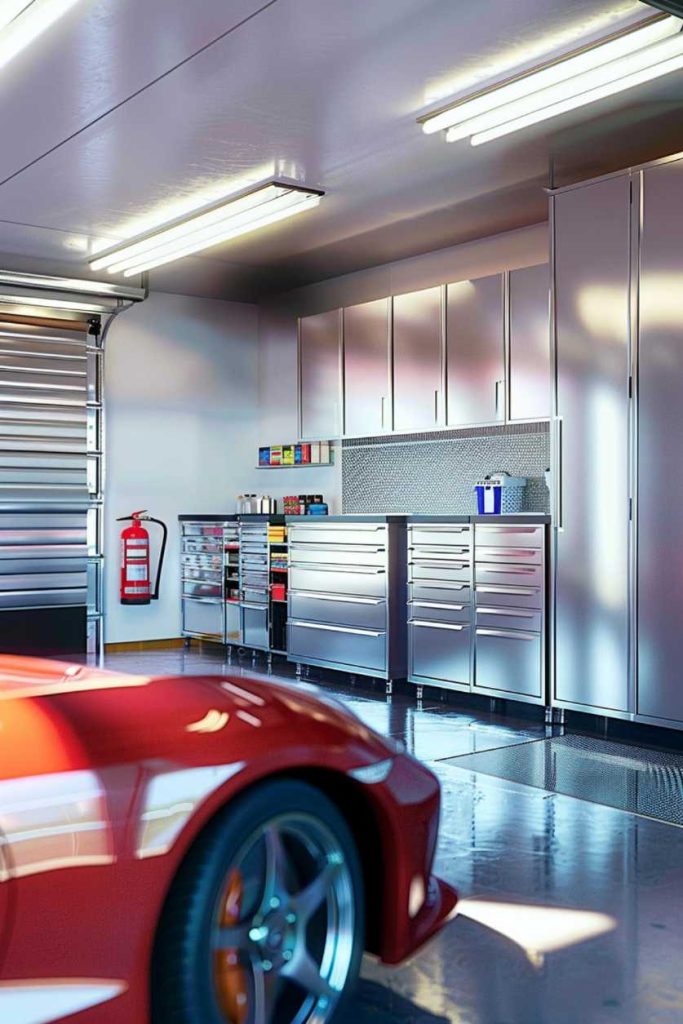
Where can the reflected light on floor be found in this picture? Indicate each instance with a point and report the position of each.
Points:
(538, 930)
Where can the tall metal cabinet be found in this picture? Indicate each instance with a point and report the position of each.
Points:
(618, 366)
(660, 432)
(592, 358)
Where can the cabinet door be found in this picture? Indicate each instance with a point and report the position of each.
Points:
(660, 428)
(529, 343)
(319, 375)
(418, 360)
(592, 232)
(509, 661)
(367, 399)
(475, 351)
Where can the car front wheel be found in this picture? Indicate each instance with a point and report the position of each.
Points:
(264, 923)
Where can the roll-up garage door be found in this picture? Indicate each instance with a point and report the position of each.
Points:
(50, 484)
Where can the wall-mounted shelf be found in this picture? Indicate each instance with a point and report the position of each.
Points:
(301, 465)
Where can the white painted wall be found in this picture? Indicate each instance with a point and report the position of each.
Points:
(181, 393)
(277, 330)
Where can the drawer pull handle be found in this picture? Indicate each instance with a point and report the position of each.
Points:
(433, 604)
(504, 634)
(336, 597)
(336, 629)
(514, 591)
(325, 567)
(439, 625)
(511, 612)
(440, 584)
(517, 570)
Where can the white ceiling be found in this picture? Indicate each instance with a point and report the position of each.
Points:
(124, 108)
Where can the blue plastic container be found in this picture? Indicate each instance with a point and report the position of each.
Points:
(500, 493)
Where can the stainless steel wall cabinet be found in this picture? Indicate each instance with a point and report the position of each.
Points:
(320, 375)
(347, 590)
(418, 360)
(440, 619)
(592, 266)
(529, 344)
(475, 351)
(367, 369)
(660, 431)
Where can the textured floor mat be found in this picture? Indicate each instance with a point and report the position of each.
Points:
(635, 779)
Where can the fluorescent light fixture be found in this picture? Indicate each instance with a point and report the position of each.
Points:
(22, 21)
(636, 56)
(230, 217)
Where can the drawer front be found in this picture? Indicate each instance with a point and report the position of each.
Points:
(509, 555)
(208, 562)
(355, 533)
(439, 651)
(368, 583)
(370, 612)
(202, 530)
(440, 611)
(440, 552)
(450, 572)
(450, 536)
(508, 661)
(436, 590)
(202, 545)
(203, 618)
(331, 554)
(255, 595)
(254, 579)
(202, 588)
(514, 575)
(338, 644)
(509, 596)
(497, 617)
(511, 536)
(255, 626)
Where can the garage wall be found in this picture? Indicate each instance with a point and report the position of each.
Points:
(181, 393)
(277, 330)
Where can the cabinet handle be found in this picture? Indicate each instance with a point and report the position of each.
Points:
(508, 612)
(335, 629)
(381, 403)
(511, 570)
(434, 604)
(337, 598)
(436, 406)
(438, 625)
(498, 402)
(505, 635)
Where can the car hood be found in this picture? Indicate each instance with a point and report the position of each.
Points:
(55, 716)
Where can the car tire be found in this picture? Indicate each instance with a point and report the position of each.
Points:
(286, 845)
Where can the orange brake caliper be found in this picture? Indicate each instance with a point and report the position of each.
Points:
(230, 975)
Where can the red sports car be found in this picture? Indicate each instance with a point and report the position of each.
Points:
(200, 850)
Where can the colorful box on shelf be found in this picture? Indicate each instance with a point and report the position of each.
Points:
(315, 453)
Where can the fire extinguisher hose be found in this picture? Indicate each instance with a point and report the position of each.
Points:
(162, 552)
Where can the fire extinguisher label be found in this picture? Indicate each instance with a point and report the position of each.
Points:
(136, 572)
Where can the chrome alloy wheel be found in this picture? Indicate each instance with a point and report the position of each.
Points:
(283, 933)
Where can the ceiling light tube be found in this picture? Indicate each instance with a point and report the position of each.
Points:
(614, 72)
(573, 103)
(22, 21)
(228, 218)
(206, 234)
(572, 66)
(307, 204)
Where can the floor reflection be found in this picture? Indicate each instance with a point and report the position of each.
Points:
(507, 842)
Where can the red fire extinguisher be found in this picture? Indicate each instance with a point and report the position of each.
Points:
(136, 584)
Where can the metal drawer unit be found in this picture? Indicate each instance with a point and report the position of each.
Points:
(204, 570)
(346, 597)
(510, 611)
(254, 585)
(440, 620)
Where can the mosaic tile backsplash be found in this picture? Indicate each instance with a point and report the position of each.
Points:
(435, 473)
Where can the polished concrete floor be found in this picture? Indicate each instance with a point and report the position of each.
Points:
(571, 890)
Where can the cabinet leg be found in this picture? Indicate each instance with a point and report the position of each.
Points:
(269, 661)
(299, 670)
(187, 643)
(352, 680)
(390, 687)
(420, 693)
